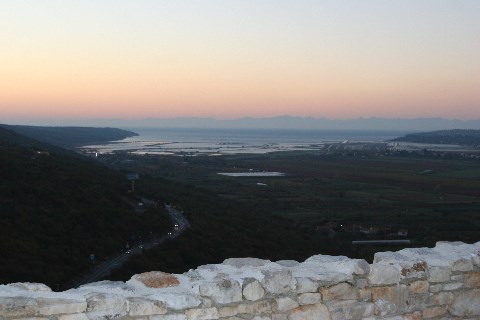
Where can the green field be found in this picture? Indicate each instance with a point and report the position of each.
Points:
(432, 199)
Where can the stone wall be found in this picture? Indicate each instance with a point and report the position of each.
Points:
(422, 283)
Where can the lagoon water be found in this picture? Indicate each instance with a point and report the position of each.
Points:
(174, 141)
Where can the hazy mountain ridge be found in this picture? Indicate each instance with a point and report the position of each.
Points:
(456, 136)
(279, 122)
(68, 137)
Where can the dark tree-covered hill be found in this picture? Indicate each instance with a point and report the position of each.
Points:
(457, 136)
(68, 137)
(56, 210)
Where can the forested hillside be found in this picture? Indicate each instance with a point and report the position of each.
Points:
(68, 137)
(56, 210)
(458, 137)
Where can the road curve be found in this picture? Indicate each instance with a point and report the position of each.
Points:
(102, 270)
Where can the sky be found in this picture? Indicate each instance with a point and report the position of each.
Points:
(337, 59)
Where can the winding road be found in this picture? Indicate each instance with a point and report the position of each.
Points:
(103, 269)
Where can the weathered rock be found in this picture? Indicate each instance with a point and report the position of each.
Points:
(287, 263)
(258, 307)
(284, 304)
(364, 294)
(472, 279)
(245, 262)
(173, 316)
(340, 264)
(433, 312)
(278, 281)
(78, 316)
(467, 304)
(417, 315)
(439, 274)
(101, 306)
(390, 300)
(202, 314)
(145, 307)
(418, 287)
(361, 283)
(59, 306)
(157, 279)
(309, 298)
(381, 274)
(310, 312)
(417, 301)
(341, 291)
(306, 285)
(178, 301)
(463, 265)
(435, 288)
(17, 307)
(442, 299)
(253, 290)
(360, 310)
(222, 291)
(31, 286)
(452, 286)
(279, 317)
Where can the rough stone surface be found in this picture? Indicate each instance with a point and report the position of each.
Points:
(310, 312)
(383, 275)
(341, 291)
(418, 287)
(472, 279)
(463, 265)
(452, 286)
(145, 307)
(253, 290)
(390, 300)
(467, 304)
(276, 282)
(306, 285)
(78, 316)
(31, 286)
(17, 307)
(439, 274)
(433, 312)
(222, 291)
(174, 316)
(309, 298)
(440, 283)
(101, 305)
(59, 306)
(259, 307)
(284, 304)
(202, 314)
(157, 279)
(442, 299)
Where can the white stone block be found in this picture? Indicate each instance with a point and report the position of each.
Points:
(306, 285)
(284, 304)
(202, 314)
(101, 306)
(277, 281)
(253, 290)
(145, 307)
(309, 298)
(60, 306)
(383, 274)
(222, 291)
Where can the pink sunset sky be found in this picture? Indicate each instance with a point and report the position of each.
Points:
(226, 59)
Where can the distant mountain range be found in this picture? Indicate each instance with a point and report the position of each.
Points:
(280, 122)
